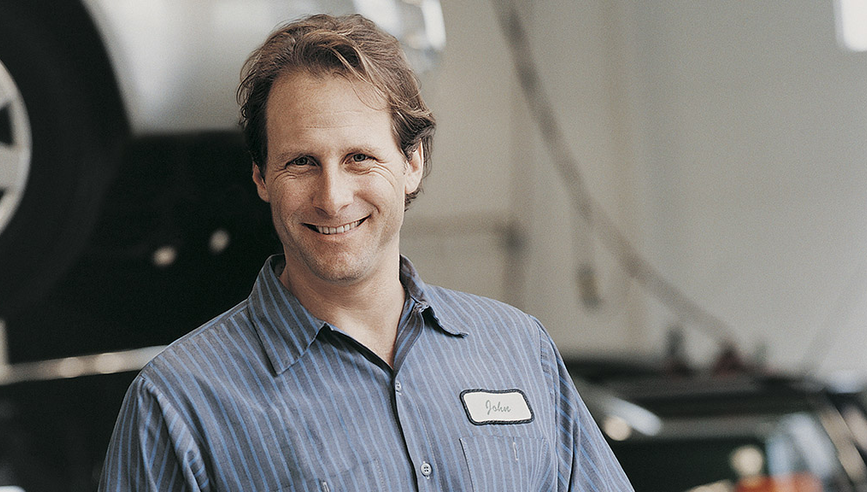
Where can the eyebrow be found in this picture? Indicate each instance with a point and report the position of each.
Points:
(372, 150)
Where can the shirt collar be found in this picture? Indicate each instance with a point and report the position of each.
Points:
(286, 329)
(418, 291)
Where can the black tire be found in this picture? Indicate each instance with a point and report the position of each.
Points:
(75, 134)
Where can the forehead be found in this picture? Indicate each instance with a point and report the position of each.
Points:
(311, 113)
(304, 97)
(322, 115)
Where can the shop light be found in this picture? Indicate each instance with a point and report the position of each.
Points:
(852, 24)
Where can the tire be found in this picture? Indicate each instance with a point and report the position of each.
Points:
(59, 143)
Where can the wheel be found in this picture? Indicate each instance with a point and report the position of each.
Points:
(59, 141)
(15, 148)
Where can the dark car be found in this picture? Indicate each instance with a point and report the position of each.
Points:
(739, 432)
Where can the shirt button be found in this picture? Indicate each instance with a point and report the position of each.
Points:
(397, 386)
(426, 469)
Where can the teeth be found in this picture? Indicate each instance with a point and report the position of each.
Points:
(338, 230)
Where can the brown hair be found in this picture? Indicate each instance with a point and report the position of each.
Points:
(351, 46)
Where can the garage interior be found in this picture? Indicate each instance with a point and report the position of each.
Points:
(676, 190)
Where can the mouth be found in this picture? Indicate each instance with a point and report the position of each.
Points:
(336, 230)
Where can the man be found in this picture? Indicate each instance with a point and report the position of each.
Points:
(343, 370)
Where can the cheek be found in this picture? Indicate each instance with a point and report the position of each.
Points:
(382, 188)
(385, 178)
(286, 200)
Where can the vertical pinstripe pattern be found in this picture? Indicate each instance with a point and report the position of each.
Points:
(266, 397)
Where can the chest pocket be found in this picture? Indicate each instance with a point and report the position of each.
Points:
(503, 463)
(366, 477)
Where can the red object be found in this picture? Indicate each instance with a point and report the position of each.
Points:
(798, 482)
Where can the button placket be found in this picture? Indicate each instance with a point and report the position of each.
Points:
(408, 414)
(412, 424)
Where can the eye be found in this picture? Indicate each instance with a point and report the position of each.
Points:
(302, 161)
(360, 157)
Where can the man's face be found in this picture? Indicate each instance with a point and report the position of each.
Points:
(335, 178)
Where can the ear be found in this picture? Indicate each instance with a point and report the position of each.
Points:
(414, 170)
(259, 179)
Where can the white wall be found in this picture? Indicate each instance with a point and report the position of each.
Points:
(725, 139)
(491, 172)
(752, 145)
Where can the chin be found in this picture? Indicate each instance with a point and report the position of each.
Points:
(337, 270)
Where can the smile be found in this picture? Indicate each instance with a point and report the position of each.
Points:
(336, 230)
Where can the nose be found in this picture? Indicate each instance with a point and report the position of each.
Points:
(333, 191)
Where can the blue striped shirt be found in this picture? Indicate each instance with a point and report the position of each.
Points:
(267, 397)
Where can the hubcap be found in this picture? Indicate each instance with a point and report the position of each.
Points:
(15, 147)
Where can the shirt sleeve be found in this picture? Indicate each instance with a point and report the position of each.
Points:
(586, 462)
(151, 448)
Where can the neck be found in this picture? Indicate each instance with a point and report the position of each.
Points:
(368, 310)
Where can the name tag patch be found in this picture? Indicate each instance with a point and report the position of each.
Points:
(485, 407)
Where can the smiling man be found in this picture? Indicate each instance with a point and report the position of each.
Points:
(337, 184)
(343, 370)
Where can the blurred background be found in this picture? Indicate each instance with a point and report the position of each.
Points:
(723, 140)
(677, 190)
